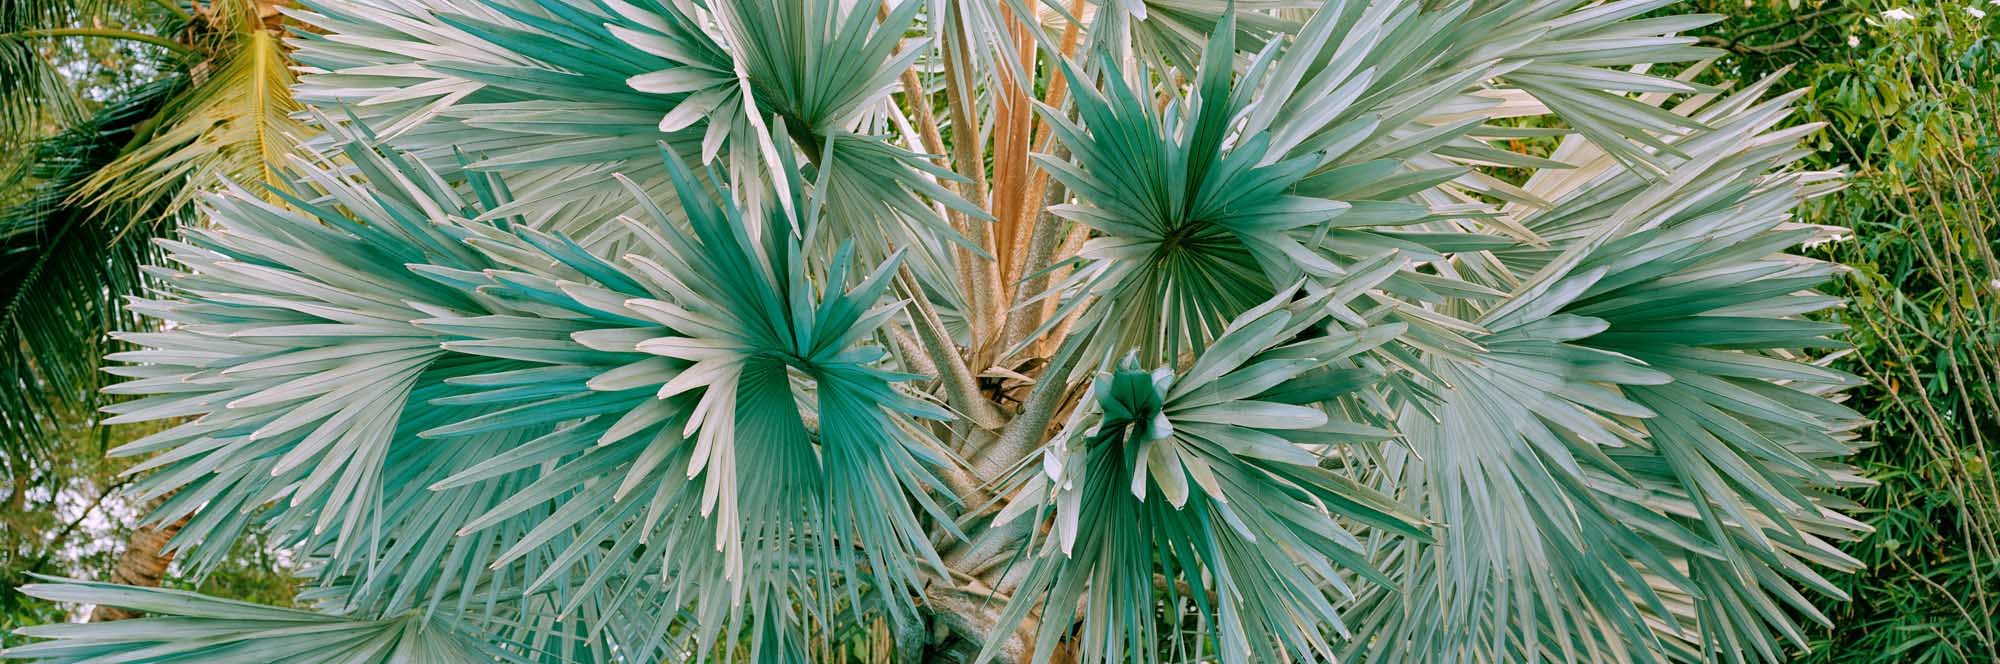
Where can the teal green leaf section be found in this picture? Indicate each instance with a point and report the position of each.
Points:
(737, 429)
(1187, 234)
(558, 95)
(533, 89)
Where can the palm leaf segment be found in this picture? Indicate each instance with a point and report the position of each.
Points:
(535, 90)
(304, 382)
(458, 393)
(193, 626)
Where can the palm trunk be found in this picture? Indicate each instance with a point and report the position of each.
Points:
(17, 491)
(144, 562)
(973, 618)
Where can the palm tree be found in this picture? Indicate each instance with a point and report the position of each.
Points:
(79, 205)
(79, 208)
(635, 330)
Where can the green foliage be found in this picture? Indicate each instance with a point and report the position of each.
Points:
(1909, 108)
(65, 268)
(231, 123)
(82, 194)
(70, 517)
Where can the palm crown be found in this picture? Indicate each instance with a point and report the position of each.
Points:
(642, 330)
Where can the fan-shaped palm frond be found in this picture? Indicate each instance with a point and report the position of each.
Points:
(719, 358)
(1648, 519)
(536, 90)
(1189, 231)
(646, 72)
(1212, 475)
(1284, 367)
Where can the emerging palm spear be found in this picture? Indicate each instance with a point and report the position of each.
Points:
(650, 330)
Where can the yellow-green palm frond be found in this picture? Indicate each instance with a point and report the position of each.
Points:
(233, 125)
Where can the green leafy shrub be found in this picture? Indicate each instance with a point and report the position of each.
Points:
(1909, 108)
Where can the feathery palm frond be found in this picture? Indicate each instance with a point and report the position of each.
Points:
(233, 124)
(33, 92)
(496, 363)
(98, 191)
(62, 269)
(46, 78)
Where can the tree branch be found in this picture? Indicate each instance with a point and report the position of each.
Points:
(49, 549)
(111, 33)
(1734, 42)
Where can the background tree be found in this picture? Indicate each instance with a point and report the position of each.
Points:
(106, 149)
(1907, 98)
(113, 116)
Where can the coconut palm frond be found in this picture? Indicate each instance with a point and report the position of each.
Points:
(34, 95)
(64, 269)
(233, 124)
